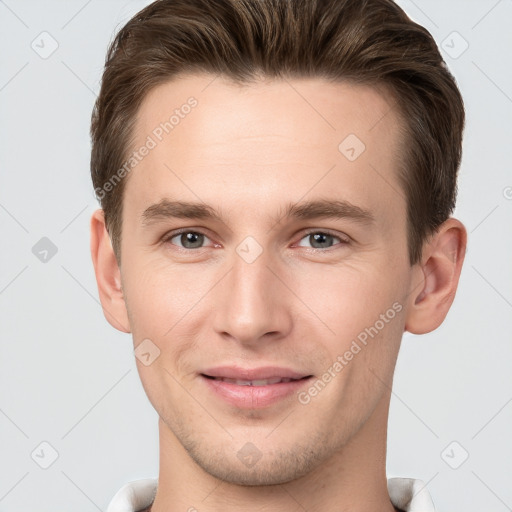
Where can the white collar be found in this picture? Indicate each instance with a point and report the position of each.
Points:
(407, 494)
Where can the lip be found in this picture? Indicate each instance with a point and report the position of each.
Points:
(264, 372)
(253, 397)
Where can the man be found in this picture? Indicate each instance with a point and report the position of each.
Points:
(276, 180)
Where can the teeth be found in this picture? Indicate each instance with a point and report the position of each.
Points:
(261, 382)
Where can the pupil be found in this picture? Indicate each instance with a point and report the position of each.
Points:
(191, 240)
(321, 240)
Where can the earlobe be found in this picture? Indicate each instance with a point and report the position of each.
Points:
(108, 276)
(431, 296)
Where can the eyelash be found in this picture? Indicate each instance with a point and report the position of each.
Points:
(343, 241)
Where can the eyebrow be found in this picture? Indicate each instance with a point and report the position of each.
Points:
(322, 208)
(166, 209)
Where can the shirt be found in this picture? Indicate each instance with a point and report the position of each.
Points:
(407, 494)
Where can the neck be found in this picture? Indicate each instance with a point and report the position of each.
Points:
(352, 478)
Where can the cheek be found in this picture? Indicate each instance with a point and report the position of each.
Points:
(160, 294)
(364, 312)
(166, 305)
(346, 300)
(160, 300)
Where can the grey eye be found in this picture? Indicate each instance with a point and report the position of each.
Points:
(319, 240)
(189, 240)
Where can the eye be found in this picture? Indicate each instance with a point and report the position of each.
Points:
(187, 239)
(320, 240)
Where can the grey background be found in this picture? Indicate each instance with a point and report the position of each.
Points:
(68, 379)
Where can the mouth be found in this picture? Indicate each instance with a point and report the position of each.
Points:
(254, 393)
(256, 382)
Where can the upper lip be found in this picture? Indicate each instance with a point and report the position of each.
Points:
(265, 372)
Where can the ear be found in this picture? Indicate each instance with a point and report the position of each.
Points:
(438, 274)
(108, 275)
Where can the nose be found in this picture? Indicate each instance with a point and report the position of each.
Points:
(252, 304)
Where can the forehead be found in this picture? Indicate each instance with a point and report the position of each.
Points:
(266, 108)
(212, 138)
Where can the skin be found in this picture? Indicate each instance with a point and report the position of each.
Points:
(248, 152)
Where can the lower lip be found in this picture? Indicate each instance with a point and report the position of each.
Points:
(254, 397)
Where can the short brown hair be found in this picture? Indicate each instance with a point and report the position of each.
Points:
(370, 42)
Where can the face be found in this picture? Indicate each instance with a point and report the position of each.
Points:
(266, 228)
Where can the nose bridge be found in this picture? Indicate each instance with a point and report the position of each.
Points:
(251, 303)
(250, 281)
